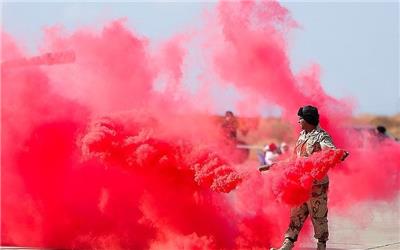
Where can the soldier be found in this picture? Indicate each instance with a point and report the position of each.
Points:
(312, 139)
(230, 126)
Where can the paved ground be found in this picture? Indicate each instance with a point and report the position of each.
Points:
(380, 230)
(355, 231)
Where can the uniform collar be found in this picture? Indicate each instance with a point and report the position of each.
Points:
(316, 130)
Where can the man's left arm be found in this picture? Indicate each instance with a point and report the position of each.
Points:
(327, 143)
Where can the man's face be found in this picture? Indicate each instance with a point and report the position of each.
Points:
(302, 123)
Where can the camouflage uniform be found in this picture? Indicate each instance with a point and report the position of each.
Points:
(316, 206)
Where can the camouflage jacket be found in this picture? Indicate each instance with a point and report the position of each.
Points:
(311, 142)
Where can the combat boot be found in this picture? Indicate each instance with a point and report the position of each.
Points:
(286, 245)
(321, 245)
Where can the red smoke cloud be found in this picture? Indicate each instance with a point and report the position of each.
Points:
(95, 155)
(293, 180)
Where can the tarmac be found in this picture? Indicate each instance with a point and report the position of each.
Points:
(367, 226)
(373, 225)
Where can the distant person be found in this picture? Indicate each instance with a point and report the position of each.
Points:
(268, 156)
(230, 125)
(283, 148)
(381, 132)
(284, 151)
(261, 155)
(271, 154)
(312, 139)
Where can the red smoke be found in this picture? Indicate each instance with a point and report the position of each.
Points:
(293, 181)
(95, 154)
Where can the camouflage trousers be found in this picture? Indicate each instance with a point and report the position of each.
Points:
(317, 208)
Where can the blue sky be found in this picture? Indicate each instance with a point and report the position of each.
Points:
(356, 43)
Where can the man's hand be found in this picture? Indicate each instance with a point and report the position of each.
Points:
(265, 167)
(345, 155)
